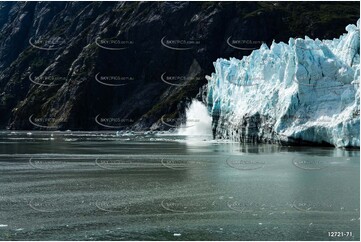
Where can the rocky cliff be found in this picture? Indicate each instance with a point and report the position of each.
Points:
(134, 65)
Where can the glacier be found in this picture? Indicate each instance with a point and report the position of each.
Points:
(303, 92)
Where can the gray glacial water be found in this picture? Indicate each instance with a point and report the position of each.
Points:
(100, 186)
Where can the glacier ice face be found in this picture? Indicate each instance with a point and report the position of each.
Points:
(306, 91)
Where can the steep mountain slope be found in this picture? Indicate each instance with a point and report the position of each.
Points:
(122, 65)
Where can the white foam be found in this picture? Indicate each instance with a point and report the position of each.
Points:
(199, 122)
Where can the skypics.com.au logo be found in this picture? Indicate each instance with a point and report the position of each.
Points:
(241, 44)
(179, 44)
(45, 122)
(49, 44)
(113, 81)
(243, 163)
(173, 122)
(47, 81)
(178, 81)
(113, 44)
(113, 122)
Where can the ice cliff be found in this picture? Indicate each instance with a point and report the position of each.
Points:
(303, 92)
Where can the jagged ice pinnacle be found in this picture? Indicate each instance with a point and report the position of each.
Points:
(306, 91)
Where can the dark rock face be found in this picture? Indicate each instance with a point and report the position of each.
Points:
(130, 65)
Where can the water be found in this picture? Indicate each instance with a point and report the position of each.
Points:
(198, 121)
(100, 186)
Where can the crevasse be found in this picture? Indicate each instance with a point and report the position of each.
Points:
(306, 91)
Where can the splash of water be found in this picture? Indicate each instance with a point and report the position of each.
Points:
(199, 122)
